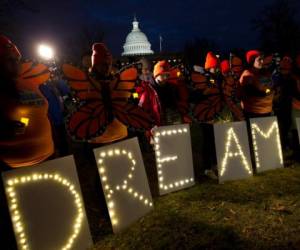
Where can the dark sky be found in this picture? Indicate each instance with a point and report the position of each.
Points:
(227, 22)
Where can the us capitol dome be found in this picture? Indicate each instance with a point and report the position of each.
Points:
(137, 43)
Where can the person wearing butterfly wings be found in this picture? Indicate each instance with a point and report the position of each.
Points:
(216, 98)
(173, 93)
(257, 96)
(104, 111)
(25, 130)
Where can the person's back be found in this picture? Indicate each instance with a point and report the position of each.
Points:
(29, 140)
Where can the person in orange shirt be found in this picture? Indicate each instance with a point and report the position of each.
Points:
(25, 131)
(257, 94)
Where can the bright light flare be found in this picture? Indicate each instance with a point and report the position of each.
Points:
(45, 52)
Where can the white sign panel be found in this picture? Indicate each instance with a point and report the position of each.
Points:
(124, 181)
(298, 127)
(232, 149)
(174, 160)
(46, 206)
(266, 143)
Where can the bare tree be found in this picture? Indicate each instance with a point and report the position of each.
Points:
(278, 28)
(81, 43)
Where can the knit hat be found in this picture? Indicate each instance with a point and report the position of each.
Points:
(251, 55)
(100, 54)
(161, 67)
(225, 67)
(8, 48)
(211, 61)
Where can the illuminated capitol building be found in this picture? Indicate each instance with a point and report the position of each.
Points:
(137, 45)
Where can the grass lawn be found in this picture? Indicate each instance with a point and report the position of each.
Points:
(262, 212)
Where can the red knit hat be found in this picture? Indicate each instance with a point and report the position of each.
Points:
(211, 61)
(161, 67)
(100, 54)
(8, 48)
(225, 67)
(251, 55)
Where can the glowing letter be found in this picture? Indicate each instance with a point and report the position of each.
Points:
(38, 198)
(234, 158)
(265, 145)
(173, 158)
(124, 182)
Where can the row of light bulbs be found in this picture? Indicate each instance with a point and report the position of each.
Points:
(109, 191)
(255, 129)
(231, 135)
(19, 227)
(160, 161)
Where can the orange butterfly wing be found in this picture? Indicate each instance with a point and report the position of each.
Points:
(82, 85)
(211, 102)
(33, 74)
(90, 117)
(129, 114)
(88, 121)
(199, 81)
(230, 91)
(236, 65)
(124, 84)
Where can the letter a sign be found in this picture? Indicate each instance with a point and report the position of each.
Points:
(232, 148)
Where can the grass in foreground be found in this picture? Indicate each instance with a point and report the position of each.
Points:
(262, 212)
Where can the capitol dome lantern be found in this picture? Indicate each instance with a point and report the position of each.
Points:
(137, 43)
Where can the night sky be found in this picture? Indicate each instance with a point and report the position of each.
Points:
(226, 22)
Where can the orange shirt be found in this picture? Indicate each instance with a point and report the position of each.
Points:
(35, 144)
(259, 104)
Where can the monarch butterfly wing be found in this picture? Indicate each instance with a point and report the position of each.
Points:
(32, 74)
(237, 66)
(132, 115)
(82, 85)
(124, 83)
(199, 81)
(230, 91)
(207, 109)
(88, 121)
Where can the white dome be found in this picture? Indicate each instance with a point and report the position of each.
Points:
(136, 42)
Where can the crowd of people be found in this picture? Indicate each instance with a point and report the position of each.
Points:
(42, 113)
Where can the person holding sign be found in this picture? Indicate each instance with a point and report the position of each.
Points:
(25, 131)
